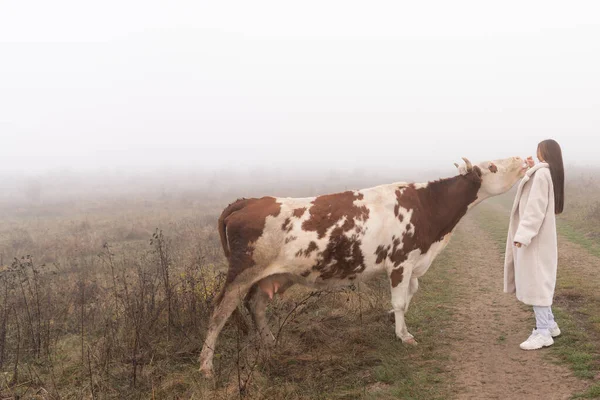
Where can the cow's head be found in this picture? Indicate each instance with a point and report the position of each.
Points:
(497, 176)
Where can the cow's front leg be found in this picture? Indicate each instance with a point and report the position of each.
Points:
(412, 289)
(400, 283)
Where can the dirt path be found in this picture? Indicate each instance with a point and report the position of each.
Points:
(488, 327)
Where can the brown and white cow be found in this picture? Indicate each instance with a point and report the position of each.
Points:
(337, 239)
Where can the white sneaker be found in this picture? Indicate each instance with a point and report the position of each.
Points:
(554, 332)
(537, 341)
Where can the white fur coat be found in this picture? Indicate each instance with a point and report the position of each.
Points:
(530, 271)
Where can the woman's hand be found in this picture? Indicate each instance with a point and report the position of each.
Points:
(530, 162)
(517, 244)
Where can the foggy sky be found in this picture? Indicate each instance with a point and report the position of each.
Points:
(312, 84)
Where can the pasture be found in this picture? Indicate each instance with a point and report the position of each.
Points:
(108, 296)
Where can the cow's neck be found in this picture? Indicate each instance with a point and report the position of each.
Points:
(449, 199)
(481, 196)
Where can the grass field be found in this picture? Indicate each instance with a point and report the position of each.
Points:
(109, 298)
(99, 303)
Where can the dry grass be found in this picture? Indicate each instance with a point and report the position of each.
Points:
(96, 302)
(107, 306)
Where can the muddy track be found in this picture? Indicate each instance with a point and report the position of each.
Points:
(488, 326)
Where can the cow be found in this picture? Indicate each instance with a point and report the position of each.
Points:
(342, 238)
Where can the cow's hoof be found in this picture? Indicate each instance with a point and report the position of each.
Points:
(407, 339)
(207, 372)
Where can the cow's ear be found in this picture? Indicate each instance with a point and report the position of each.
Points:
(477, 171)
(456, 165)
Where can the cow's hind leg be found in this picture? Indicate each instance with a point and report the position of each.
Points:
(256, 302)
(400, 301)
(231, 298)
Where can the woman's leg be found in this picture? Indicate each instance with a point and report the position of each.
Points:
(542, 319)
(554, 329)
(541, 336)
(551, 318)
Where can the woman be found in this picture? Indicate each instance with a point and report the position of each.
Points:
(531, 247)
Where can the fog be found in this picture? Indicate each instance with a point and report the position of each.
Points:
(209, 90)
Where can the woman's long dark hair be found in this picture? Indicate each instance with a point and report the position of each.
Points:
(552, 154)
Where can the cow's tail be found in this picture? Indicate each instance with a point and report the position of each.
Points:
(222, 226)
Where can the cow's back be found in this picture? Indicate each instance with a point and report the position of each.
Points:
(325, 238)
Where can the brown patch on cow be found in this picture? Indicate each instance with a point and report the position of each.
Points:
(244, 222)
(312, 246)
(397, 254)
(394, 252)
(396, 276)
(299, 212)
(493, 168)
(381, 253)
(287, 225)
(397, 206)
(290, 239)
(327, 210)
(305, 273)
(436, 209)
(342, 256)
